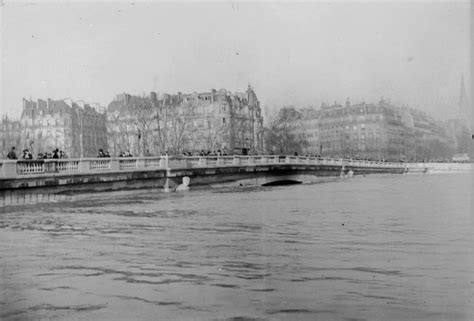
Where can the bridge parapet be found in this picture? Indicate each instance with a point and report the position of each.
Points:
(20, 168)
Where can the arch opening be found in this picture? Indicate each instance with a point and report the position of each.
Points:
(283, 182)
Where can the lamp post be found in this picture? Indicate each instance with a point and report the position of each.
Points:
(81, 129)
(81, 135)
(139, 140)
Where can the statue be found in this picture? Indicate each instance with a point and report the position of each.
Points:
(184, 186)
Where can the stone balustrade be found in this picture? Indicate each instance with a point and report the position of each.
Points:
(21, 168)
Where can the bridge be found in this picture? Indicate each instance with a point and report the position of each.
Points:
(167, 172)
(33, 179)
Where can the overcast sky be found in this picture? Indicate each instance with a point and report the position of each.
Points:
(300, 54)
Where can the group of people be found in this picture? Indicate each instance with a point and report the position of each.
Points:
(101, 153)
(26, 154)
(54, 154)
(125, 154)
(206, 153)
(213, 153)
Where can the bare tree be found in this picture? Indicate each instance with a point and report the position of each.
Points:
(143, 121)
(169, 127)
(287, 134)
(118, 133)
(215, 133)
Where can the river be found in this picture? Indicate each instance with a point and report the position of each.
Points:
(370, 248)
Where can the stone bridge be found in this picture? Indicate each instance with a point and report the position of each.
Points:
(98, 174)
(32, 181)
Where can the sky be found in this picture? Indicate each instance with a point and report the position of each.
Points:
(300, 54)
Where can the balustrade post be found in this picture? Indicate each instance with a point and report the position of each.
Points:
(84, 165)
(202, 161)
(50, 167)
(164, 161)
(9, 169)
(236, 160)
(287, 159)
(220, 161)
(251, 160)
(114, 164)
(140, 162)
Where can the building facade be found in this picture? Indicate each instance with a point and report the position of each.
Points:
(76, 128)
(9, 136)
(371, 131)
(375, 131)
(209, 121)
(432, 138)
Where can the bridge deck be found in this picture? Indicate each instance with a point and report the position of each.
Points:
(11, 169)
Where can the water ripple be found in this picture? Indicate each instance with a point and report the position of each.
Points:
(364, 249)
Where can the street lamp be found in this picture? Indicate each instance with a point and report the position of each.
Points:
(81, 123)
(139, 138)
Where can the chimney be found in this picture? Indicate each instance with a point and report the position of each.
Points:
(153, 97)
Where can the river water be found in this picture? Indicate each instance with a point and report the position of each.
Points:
(371, 248)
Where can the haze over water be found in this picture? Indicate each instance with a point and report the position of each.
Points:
(373, 248)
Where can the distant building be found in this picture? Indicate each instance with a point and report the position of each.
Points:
(373, 131)
(460, 126)
(130, 123)
(9, 135)
(74, 127)
(432, 139)
(461, 157)
(186, 122)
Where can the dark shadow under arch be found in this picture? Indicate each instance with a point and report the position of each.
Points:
(282, 182)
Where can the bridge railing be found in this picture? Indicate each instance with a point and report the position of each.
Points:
(20, 168)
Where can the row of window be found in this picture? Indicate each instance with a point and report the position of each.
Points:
(10, 126)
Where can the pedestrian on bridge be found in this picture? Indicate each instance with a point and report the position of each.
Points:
(12, 154)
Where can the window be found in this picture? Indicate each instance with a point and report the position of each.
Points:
(223, 120)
